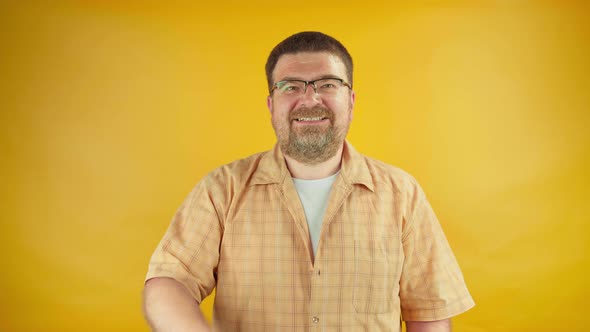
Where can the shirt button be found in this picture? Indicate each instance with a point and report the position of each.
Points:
(315, 320)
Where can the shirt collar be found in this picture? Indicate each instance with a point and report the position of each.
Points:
(273, 168)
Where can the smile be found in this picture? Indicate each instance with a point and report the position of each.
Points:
(310, 119)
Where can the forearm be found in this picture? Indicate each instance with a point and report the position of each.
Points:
(434, 326)
(168, 306)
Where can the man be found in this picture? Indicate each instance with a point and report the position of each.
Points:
(311, 235)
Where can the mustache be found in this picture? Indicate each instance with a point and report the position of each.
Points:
(314, 112)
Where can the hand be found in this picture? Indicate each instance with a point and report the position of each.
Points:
(433, 326)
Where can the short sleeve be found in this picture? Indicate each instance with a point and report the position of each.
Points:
(431, 285)
(189, 250)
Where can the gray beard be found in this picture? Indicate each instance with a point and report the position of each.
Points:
(311, 146)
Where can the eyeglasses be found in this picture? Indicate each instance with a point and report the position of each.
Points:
(324, 87)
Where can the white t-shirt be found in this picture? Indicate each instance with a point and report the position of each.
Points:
(314, 195)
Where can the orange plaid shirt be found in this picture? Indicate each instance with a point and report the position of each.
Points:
(382, 253)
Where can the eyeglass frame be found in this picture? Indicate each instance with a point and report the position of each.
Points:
(306, 83)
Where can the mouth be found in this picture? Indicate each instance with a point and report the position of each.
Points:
(319, 118)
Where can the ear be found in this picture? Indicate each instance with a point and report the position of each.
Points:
(269, 103)
(352, 99)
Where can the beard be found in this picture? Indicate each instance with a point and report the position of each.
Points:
(310, 144)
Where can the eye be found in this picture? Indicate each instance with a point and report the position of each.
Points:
(289, 87)
(328, 86)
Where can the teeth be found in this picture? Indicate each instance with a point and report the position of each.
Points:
(309, 119)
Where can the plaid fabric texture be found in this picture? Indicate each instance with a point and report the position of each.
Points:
(382, 253)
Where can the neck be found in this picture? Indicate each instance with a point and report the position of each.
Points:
(314, 172)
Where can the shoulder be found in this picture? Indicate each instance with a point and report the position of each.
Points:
(220, 186)
(389, 176)
(234, 174)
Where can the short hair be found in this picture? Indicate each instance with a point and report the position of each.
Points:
(308, 41)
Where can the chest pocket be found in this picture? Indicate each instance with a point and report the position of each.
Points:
(375, 269)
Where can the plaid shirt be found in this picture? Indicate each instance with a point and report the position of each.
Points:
(382, 253)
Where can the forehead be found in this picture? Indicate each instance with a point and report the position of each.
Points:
(308, 66)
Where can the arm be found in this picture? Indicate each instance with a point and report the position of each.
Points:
(429, 261)
(168, 306)
(434, 326)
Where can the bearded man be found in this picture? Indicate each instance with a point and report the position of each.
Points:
(311, 235)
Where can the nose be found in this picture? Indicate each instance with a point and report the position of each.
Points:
(313, 87)
(310, 97)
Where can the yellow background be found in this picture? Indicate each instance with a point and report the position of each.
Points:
(111, 112)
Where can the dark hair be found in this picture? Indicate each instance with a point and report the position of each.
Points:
(308, 41)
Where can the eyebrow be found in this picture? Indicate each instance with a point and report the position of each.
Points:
(293, 78)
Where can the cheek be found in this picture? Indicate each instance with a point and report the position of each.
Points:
(279, 116)
(281, 110)
(341, 107)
